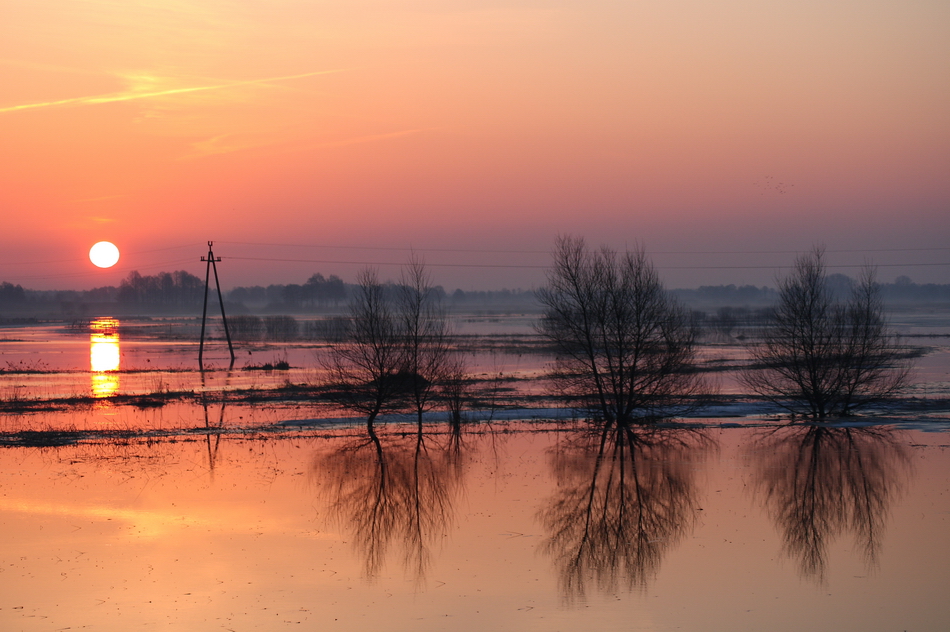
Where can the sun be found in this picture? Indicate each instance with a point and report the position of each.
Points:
(104, 254)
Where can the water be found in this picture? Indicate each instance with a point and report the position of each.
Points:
(106, 357)
(213, 512)
(517, 528)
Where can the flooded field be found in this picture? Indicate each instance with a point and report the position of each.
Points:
(511, 527)
(239, 503)
(104, 357)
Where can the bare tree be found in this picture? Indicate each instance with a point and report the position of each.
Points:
(625, 349)
(455, 390)
(365, 371)
(822, 357)
(425, 337)
(396, 351)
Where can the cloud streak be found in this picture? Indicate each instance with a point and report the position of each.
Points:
(133, 96)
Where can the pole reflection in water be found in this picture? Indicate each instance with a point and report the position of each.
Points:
(390, 490)
(213, 432)
(625, 497)
(104, 356)
(820, 482)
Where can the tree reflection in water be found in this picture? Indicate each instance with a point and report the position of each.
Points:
(819, 482)
(388, 489)
(625, 497)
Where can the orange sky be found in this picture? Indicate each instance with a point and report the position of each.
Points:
(703, 128)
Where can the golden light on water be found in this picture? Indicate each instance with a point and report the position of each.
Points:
(104, 356)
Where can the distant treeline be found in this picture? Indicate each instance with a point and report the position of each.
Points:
(183, 292)
(331, 292)
(173, 290)
(901, 291)
(317, 292)
(727, 295)
(177, 291)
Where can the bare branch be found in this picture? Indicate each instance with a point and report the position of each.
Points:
(822, 357)
(625, 350)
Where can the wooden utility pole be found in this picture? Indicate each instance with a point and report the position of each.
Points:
(212, 260)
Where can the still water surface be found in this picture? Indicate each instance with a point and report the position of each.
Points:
(236, 515)
(105, 357)
(515, 527)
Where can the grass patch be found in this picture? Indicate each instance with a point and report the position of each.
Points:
(279, 365)
(40, 438)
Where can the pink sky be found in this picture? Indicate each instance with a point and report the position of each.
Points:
(733, 133)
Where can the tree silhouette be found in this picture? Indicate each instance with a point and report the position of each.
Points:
(428, 354)
(395, 352)
(364, 372)
(823, 357)
(625, 349)
(177, 290)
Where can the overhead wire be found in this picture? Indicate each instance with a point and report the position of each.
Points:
(93, 273)
(436, 264)
(547, 252)
(124, 253)
(544, 267)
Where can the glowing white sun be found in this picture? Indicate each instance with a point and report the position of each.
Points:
(104, 254)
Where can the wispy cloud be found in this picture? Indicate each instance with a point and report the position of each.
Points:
(135, 95)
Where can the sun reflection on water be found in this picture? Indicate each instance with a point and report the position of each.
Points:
(104, 356)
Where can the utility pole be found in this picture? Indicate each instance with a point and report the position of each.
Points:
(212, 260)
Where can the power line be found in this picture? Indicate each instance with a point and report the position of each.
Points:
(76, 275)
(389, 263)
(512, 266)
(548, 252)
(125, 253)
(544, 267)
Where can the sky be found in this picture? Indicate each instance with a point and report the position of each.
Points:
(304, 136)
